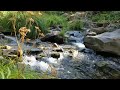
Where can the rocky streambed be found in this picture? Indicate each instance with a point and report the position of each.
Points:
(71, 60)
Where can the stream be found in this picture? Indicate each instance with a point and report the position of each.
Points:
(86, 64)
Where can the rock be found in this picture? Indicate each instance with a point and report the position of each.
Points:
(74, 33)
(75, 39)
(7, 32)
(73, 53)
(8, 47)
(68, 47)
(35, 42)
(55, 55)
(55, 45)
(13, 57)
(108, 69)
(54, 32)
(5, 47)
(11, 39)
(99, 30)
(34, 51)
(58, 49)
(38, 57)
(53, 38)
(65, 15)
(2, 36)
(74, 36)
(61, 56)
(80, 46)
(27, 50)
(91, 33)
(101, 63)
(101, 24)
(9, 52)
(106, 42)
(112, 27)
(77, 15)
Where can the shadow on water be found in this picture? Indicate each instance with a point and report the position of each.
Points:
(107, 54)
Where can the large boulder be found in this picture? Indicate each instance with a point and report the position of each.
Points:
(106, 42)
(108, 69)
(98, 30)
(54, 38)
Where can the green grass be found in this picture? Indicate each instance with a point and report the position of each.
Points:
(44, 21)
(108, 16)
(21, 18)
(10, 70)
(53, 20)
(76, 25)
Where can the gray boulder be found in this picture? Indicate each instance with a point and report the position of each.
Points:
(106, 42)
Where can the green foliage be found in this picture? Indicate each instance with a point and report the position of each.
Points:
(53, 20)
(9, 70)
(21, 18)
(54, 12)
(43, 22)
(76, 25)
(108, 16)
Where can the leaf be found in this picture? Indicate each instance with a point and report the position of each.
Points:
(2, 74)
(9, 72)
(23, 76)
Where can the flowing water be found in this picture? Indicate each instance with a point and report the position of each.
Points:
(86, 65)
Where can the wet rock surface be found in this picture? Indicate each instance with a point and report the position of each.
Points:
(53, 37)
(106, 42)
(67, 62)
